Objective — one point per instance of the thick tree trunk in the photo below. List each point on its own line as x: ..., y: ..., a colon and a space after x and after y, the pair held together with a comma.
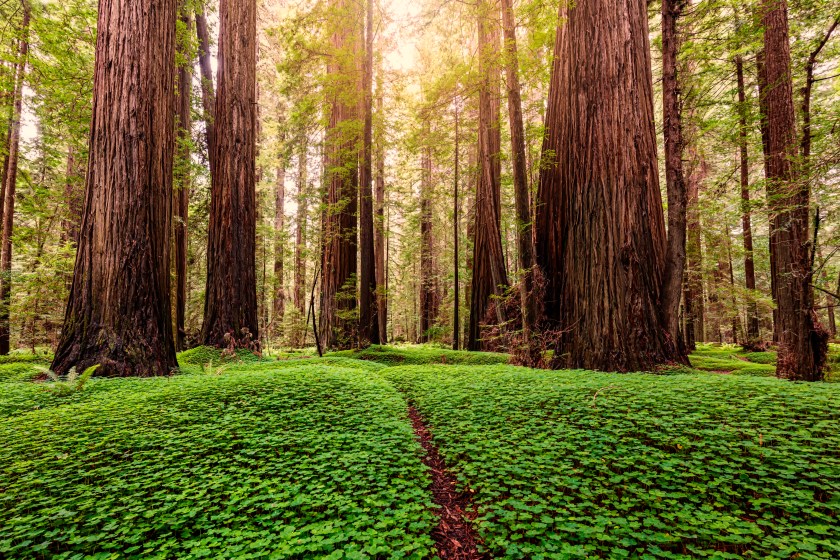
x: 802, y: 342
x: 489, y: 273
x: 182, y: 204
x: 208, y: 94
x: 379, y: 233
x: 675, y: 257
x: 428, y: 284
x: 368, y: 315
x: 753, y: 335
x: 300, y: 244
x: 119, y: 314
x: 600, y: 231
x: 279, y: 235
x: 524, y: 226
x: 339, y: 237
x: 7, y: 209
x: 230, y: 307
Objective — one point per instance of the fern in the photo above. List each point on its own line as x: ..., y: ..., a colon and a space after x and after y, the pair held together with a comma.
x: 73, y: 382
x: 210, y: 369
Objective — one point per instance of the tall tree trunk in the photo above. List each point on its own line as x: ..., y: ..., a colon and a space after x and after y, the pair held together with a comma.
x: 600, y: 231
x: 379, y: 232
x: 230, y: 307
x: 753, y: 333
x: 675, y: 257
x: 208, y: 95
x: 339, y: 237
x: 368, y: 315
x: 7, y: 209
x: 428, y: 287
x: 182, y: 205
x: 524, y: 227
x: 802, y: 342
x: 300, y: 243
x: 118, y: 314
x: 489, y: 273
x: 456, y: 310
x: 279, y: 234
x: 73, y: 199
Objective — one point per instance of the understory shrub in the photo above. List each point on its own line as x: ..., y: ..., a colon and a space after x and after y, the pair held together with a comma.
x: 421, y: 354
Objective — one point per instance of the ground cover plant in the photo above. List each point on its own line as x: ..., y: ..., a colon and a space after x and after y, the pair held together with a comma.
x: 421, y: 354
x: 309, y: 462
x: 576, y: 464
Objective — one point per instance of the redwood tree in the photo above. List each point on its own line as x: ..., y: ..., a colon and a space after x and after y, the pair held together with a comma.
x: 118, y: 314
x: 182, y: 202
x: 600, y: 229
x: 802, y: 341
x: 230, y: 306
x: 489, y: 274
x: 428, y: 283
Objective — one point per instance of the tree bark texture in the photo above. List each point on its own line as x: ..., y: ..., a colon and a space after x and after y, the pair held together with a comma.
x: 489, y: 275
x: 208, y: 94
x: 182, y: 198
x: 230, y: 307
x: 300, y: 243
x: 279, y: 303
x: 802, y: 341
x: 600, y: 230
x: 118, y: 314
x: 379, y: 232
x: 428, y: 283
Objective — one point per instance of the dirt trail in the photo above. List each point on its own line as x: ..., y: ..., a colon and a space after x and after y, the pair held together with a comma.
x: 455, y: 538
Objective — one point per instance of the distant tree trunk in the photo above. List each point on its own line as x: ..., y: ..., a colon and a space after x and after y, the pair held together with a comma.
x: 428, y: 287
x: 379, y: 233
x: 7, y: 208
x: 807, y: 135
x: 489, y: 273
x: 524, y: 226
x: 339, y: 237
x: 182, y: 205
x: 279, y: 235
x: 73, y: 200
x: 118, y: 314
x: 368, y: 315
x: 802, y: 341
x: 208, y: 95
x: 753, y: 333
x: 300, y: 242
x: 230, y: 306
x: 600, y: 231
x: 765, y: 142
x: 695, y: 307
x: 456, y: 311
x: 675, y: 257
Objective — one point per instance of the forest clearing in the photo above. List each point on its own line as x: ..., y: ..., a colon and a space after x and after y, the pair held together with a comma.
x: 453, y: 279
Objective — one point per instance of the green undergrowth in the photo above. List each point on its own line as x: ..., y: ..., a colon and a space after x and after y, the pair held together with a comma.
x: 420, y: 355
x: 21, y: 366
x: 309, y: 462
x: 576, y: 464
x: 730, y: 359
x: 201, y: 355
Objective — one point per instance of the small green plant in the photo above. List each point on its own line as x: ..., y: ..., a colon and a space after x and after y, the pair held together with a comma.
x: 71, y: 383
x: 210, y: 369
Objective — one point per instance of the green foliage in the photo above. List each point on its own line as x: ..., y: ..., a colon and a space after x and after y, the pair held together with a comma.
x: 306, y: 462
x: 420, y: 355
x: 578, y: 464
x: 201, y: 355
x: 72, y: 383
x: 18, y: 366
x: 730, y: 359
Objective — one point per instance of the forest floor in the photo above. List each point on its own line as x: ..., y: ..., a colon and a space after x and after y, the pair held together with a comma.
x: 420, y: 452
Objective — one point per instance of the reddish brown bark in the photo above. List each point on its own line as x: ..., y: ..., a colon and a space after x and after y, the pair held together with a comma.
x: 379, y: 235
x: 802, y: 342
x: 279, y: 235
x: 119, y: 314
x: 428, y: 283
x: 753, y: 335
x: 339, y: 236
x: 7, y: 208
x: 208, y: 94
x: 600, y: 230
x: 524, y: 225
x: 675, y: 257
x: 456, y: 311
x: 300, y: 242
x: 489, y: 274
x: 230, y: 306
x: 368, y: 315
x: 182, y: 197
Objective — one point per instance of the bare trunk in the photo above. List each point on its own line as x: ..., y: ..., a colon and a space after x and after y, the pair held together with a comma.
x: 428, y: 287
x: 379, y: 233
x: 802, y: 341
x: 300, y: 242
x: 118, y: 314
x: 208, y: 95
x: 7, y: 209
x: 230, y: 307
x: 601, y: 238
x: 456, y: 311
x: 182, y: 205
x: 279, y: 235
x: 489, y: 274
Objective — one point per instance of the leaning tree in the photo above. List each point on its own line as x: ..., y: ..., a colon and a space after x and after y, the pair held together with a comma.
x: 118, y: 314
x: 600, y: 228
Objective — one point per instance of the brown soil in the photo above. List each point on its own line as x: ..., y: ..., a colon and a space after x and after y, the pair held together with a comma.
x: 455, y: 538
